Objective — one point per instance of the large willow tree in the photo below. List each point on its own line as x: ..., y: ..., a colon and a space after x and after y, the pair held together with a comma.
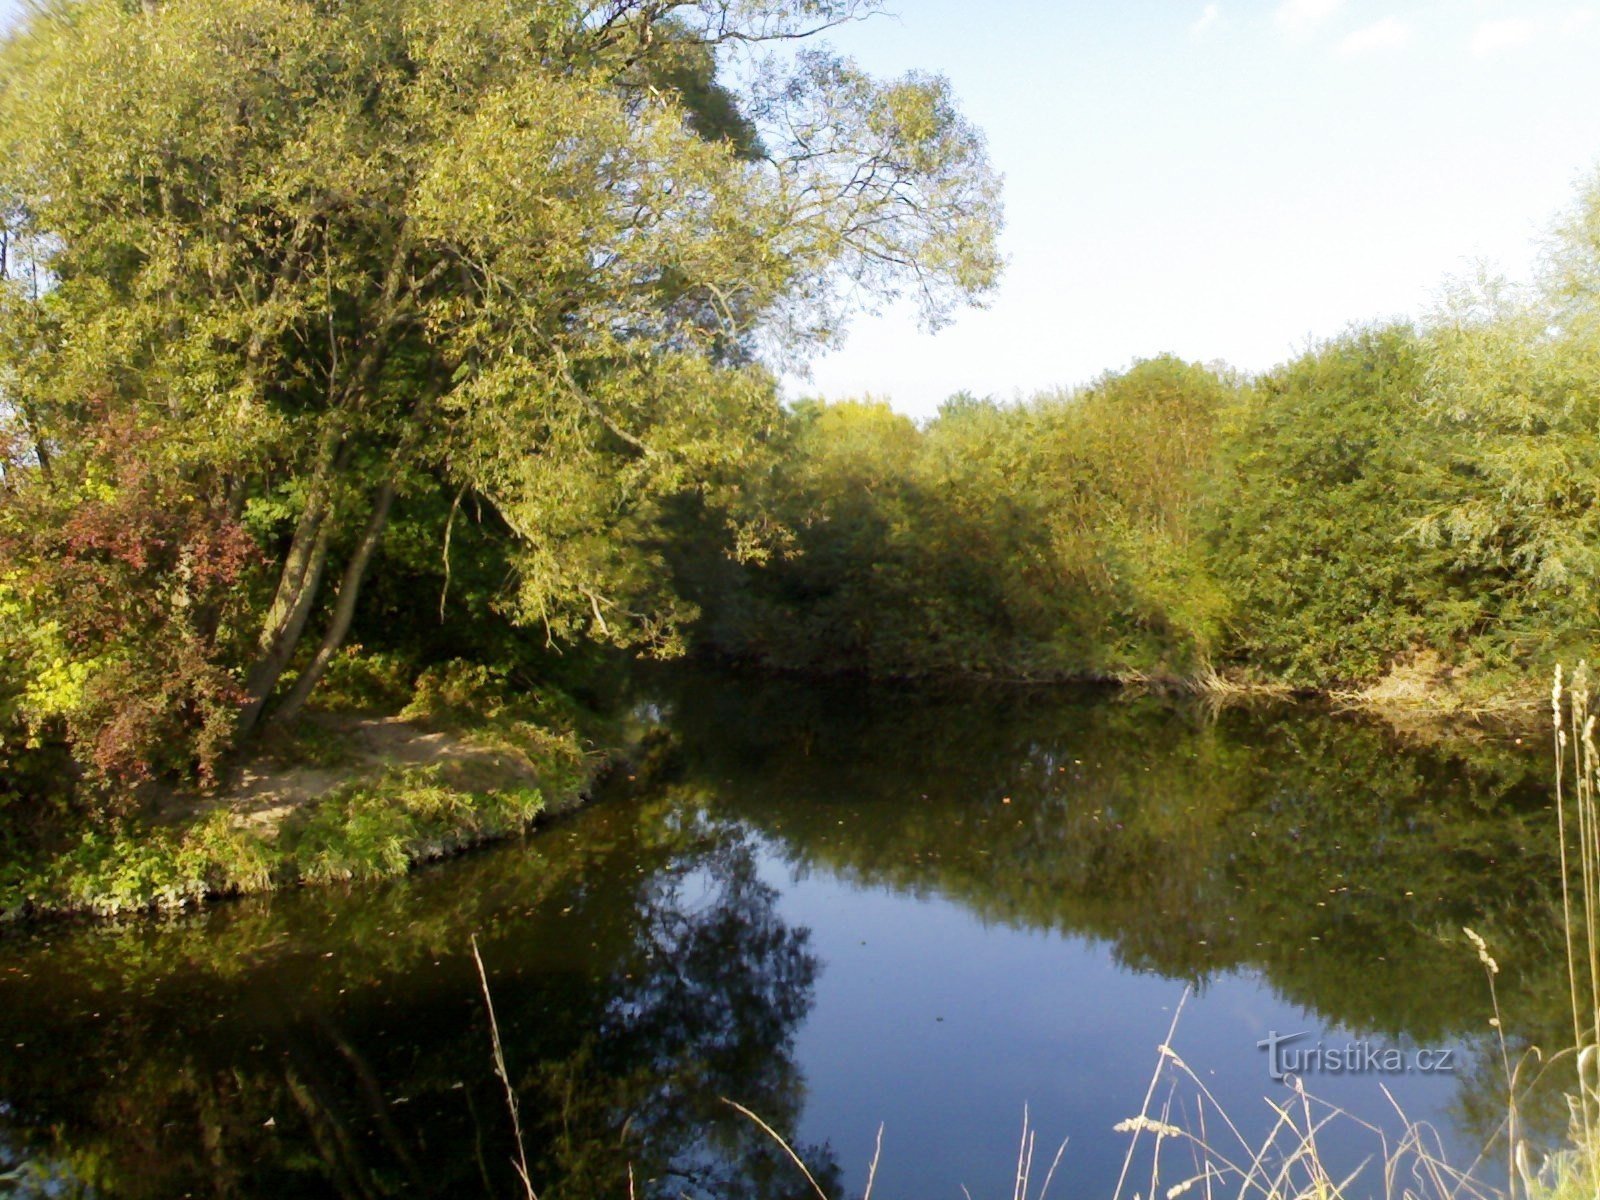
x: 276, y: 265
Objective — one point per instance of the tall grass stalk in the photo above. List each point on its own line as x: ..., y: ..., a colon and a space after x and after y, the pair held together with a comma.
x: 1287, y: 1162
x: 790, y: 1150
x: 1578, y: 819
x: 1022, y: 1183
x: 521, y: 1162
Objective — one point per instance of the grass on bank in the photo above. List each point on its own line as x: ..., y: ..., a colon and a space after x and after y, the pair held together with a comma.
x: 523, y: 755
x: 364, y: 832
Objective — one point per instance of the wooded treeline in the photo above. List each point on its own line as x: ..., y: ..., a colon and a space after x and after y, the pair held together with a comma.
x: 1401, y: 502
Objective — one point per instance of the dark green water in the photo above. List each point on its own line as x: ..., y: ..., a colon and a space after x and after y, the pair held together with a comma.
x: 840, y: 907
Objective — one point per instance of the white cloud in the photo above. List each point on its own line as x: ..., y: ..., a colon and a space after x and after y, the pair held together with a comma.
x: 1208, y: 18
x: 1298, y: 18
x: 1491, y: 37
x: 1391, y: 33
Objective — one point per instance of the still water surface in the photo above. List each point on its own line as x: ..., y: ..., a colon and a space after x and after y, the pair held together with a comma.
x: 842, y: 907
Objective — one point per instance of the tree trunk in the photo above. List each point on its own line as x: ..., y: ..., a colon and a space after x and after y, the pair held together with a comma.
x: 330, y: 456
x: 298, y: 581
x: 30, y: 423
x: 355, y: 570
x: 285, y: 636
x: 344, y: 607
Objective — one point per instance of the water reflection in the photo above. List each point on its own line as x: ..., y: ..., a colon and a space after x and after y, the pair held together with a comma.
x: 640, y: 971
x: 1317, y: 854
x: 1314, y: 849
x: 667, y: 948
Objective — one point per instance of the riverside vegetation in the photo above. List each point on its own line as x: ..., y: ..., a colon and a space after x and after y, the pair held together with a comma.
x: 385, y: 323
x: 1399, y: 505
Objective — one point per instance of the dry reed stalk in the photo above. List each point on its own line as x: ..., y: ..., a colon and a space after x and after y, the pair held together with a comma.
x: 521, y: 1162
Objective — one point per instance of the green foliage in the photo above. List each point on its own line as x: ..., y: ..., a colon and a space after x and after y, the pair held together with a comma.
x: 458, y: 691
x: 132, y: 869
x: 287, y: 275
x: 1515, y: 378
x: 1329, y: 468
x: 486, y: 701
x: 1044, y: 540
x: 1123, y: 463
x: 361, y: 680
x: 377, y: 830
x: 1392, y: 505
x: 1572, y: 1174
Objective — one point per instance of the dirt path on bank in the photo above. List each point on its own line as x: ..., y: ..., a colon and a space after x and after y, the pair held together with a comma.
x: 263, y: 791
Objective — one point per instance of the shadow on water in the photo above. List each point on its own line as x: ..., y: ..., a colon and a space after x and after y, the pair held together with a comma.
x: 660, y: 950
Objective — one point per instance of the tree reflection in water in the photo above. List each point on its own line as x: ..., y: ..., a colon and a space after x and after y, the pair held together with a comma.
x: 705, y: 1008
x: 355, y: 1076
x: 334, y: 1043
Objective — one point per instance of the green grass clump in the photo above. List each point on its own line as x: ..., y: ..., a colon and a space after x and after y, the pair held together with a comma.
x: 121, y: 870
x: 466, y: 695
x: 377, y: 830
x: 362, y: 680
x: 1569, y: 1175
x: 366, y: 831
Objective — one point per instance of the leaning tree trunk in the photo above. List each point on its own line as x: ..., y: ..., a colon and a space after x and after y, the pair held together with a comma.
x: 344, y: 607
x: 302, y: 572
x: 298, y: 581
x: 297, y: 594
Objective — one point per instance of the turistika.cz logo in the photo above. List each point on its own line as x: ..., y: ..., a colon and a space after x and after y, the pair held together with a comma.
x: 1285, y: 1058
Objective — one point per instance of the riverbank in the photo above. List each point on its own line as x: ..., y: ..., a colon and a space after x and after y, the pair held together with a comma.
x: 395, y: 772
x: 362, y: 792
x: 1416, y: 694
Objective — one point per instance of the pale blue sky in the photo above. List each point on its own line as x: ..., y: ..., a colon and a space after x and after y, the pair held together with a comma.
x: 1227, y: 180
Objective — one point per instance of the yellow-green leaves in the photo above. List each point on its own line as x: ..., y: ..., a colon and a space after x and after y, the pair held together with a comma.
x: 310, y: 267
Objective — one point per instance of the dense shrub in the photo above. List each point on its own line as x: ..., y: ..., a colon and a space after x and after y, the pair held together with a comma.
x: 1327, y: 470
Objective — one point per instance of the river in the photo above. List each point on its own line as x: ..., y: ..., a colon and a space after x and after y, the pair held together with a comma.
x: 843, y: 907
